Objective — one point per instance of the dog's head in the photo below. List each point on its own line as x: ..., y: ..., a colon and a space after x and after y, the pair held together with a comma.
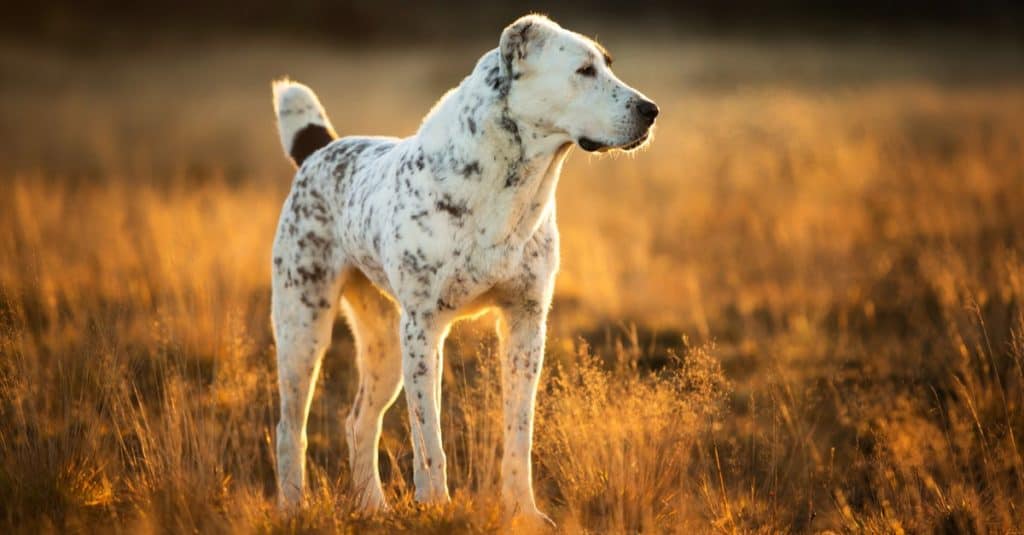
x: 562, y: 83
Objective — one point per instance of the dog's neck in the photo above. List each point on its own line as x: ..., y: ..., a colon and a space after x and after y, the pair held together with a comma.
x: 504, y: 169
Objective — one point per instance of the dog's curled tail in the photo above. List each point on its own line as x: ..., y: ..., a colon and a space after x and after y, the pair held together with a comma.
x: 301, y: 121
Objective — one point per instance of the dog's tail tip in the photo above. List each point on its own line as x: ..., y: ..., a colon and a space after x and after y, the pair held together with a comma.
x: 302, y: 122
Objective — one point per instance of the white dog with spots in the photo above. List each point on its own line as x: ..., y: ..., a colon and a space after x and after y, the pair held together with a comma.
x: 407, y: 235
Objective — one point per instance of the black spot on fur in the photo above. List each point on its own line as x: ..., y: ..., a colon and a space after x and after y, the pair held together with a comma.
x: 497, y: 81
x: 470, y: 169
x: 513, y: 178
x: 456, y: 210
x: 510, y: 126
x: 315, y: 273
x: 310, y: 139
x: 494, y: 78
x: 421, y: 370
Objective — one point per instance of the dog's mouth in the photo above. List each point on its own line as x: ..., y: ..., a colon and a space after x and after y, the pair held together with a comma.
x: 639, y: 141
x: 590, y: 145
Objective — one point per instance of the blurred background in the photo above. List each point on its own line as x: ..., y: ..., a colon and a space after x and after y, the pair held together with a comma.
x: 459, y: 21
x: 798, y: 310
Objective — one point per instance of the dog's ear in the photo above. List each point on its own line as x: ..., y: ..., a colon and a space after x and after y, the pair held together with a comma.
x: 522, y: 38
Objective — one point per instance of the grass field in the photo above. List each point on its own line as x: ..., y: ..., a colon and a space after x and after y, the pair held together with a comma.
x: 800, y: 310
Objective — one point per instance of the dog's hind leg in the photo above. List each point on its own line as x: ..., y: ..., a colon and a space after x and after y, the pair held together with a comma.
x: 373, y: 319
x: 304, y: 303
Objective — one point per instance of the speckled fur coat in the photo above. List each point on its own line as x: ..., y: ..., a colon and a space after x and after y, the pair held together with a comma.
x: 407, y: 235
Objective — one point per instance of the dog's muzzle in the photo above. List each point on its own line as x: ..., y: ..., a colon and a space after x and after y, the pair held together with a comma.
x: 646, y: 112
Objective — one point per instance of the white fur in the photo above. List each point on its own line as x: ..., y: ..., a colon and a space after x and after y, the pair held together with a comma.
x: 410, y: 234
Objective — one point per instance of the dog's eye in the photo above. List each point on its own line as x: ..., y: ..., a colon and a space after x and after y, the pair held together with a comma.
x: 587, y: 70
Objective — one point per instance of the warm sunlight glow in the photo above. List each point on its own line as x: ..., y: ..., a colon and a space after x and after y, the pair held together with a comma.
x: 798, y: 309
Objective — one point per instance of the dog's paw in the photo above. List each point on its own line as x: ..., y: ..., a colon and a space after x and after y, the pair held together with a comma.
x: 531, y: 520
x: 433, y: 496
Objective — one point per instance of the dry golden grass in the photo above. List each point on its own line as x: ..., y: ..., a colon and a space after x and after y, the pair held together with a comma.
x: 799, y: 310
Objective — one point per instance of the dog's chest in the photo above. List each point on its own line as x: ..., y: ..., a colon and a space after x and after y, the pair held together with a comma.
x: 461, y: 263
x: 428, y: 250
x: 485, y: 265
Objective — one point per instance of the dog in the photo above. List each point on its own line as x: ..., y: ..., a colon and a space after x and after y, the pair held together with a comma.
x: 405, y: 236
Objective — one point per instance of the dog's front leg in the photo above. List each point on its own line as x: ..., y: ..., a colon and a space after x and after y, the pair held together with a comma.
x: 522, y: 332
x: 422, y: 333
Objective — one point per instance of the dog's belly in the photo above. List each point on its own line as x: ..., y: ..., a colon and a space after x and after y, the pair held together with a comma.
x: 463, y: 287
x: 470, y: 306
x: 477, y: 307
x: 371, y: 268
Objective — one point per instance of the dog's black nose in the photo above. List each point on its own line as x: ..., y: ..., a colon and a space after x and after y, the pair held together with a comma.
x: 647, y: 109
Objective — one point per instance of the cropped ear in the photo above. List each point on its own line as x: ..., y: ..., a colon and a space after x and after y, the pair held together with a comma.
x: 522, y: 38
